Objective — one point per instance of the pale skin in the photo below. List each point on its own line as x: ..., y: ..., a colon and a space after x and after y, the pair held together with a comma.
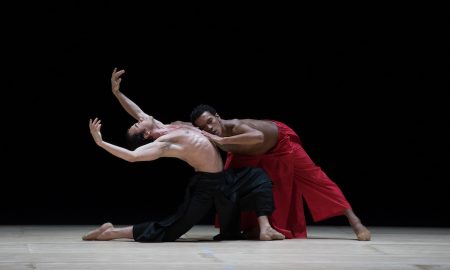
x: 171, y: 140
x: 255, y: 137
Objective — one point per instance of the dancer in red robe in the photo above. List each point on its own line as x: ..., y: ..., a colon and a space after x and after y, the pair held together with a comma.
x: 277, y: 149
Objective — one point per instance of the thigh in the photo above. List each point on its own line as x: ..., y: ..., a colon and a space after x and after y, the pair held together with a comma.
x: 197, y: 207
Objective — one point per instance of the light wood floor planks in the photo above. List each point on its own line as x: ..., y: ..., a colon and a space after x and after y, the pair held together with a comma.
x: 61, y: 247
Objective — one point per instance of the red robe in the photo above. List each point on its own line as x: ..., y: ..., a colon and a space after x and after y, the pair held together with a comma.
x: 294, y: 176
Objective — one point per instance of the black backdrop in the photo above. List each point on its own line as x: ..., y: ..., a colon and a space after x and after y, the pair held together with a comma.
x: 365, y: 91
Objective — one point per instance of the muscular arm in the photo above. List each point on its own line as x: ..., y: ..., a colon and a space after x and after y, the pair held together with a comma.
x: 129, y: 106
x: 242, y: 134
x: 146, y: 152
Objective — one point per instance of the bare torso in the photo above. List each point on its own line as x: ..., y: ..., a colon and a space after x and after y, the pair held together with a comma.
x: 188, y: 144
x: 268, y: 128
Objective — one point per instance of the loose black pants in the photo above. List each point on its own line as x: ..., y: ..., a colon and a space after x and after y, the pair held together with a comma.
x: 230, y: 191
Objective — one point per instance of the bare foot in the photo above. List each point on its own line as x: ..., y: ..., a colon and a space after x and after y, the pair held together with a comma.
x: 269, y: 234
x: 92, y: 235
x: 108, y: 234
x: 362, y: 233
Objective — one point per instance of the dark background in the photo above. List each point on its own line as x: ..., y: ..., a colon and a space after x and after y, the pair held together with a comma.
x: 365, y: 90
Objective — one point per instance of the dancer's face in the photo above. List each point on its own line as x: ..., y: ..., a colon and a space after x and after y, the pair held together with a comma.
x: 143, y: 126
x: 209, y: 123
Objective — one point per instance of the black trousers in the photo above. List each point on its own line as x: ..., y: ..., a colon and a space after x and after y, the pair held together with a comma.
x: 230, y: 191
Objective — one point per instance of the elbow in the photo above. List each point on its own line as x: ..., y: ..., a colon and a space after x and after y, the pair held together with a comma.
x: 259, y: 137
x: 132, y: 158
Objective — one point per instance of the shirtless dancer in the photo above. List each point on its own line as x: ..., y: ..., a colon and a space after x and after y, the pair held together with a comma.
x: 277, y: 149
x: 230, y: 191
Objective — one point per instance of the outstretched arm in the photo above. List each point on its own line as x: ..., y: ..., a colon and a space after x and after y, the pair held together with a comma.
x: 244, y: 134
x: 126, y: 103
x: 129, y: 106
x: 146, y: 152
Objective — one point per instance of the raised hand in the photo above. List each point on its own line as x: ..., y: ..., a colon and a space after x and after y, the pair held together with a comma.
x: 95, y: 126
x: 115, y: 80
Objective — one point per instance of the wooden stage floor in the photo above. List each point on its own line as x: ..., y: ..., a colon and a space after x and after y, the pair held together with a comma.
x: 327, y: 247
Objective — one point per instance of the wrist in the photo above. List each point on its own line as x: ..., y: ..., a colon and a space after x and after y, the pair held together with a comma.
x: 220, y: 140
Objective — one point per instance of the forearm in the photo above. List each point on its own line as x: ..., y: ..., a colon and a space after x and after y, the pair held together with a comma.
x: 147, y: 152
x: 118, y: 151
x: 129, y: 106
x: 245, y: 138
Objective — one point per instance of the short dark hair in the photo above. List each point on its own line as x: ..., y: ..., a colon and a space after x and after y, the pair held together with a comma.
x: 137, y: 139
x: 199, y: 110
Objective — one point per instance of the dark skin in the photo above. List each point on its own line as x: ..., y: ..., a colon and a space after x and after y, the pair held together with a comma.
x: 255, y: 137
x: 240, y: 136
